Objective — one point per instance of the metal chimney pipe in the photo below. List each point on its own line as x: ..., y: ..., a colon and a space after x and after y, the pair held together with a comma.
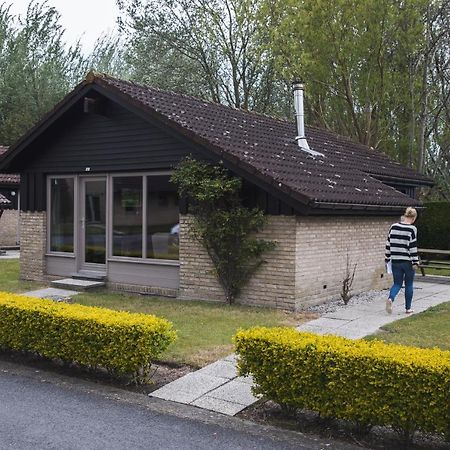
x: 297, y: 88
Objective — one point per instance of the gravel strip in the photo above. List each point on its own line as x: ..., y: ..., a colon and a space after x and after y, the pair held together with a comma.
x: 337, y: 303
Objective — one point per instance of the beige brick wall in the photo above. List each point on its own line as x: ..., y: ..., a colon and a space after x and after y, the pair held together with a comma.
x: 310, y: 254
x: 33, y: 226
x: 9, y: 226
x: 322, y: 245
x: 273, y: 285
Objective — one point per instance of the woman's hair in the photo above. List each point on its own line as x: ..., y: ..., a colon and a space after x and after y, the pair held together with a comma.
x: 410, y: 213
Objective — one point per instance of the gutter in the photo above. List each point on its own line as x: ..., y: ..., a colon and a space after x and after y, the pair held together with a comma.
x: 360, y: 206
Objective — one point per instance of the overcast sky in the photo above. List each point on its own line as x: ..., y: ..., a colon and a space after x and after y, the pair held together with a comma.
x: 82, y: 19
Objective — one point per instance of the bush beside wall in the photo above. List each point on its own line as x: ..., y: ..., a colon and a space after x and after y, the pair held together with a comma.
x: 370, y: 383
x: 433, y: 226
x: 121, y: 342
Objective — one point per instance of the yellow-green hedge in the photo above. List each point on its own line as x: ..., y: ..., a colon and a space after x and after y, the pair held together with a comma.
x: 122, y: 342
x: 367, y: 382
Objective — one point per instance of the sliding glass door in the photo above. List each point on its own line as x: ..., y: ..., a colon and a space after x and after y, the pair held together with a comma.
x: 93, y: 222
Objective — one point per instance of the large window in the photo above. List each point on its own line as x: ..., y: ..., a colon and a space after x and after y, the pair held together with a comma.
x: 61, y: 216
x: 162, y: 218
x: 127, y: 216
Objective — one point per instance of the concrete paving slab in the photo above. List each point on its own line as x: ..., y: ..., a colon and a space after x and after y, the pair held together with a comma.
x: 236, y: 392
x: 51, y: 293
x: 221, y: 369
x: 310, y: 328
x: 232, y: 358
x: 348, y: 314
x: 218, y: 405
x: 188, y: 388
x: 78, y: 285
x: 10, y: 254
x: 247, y: 380
x: 174, y: 396
x: 330, y: 322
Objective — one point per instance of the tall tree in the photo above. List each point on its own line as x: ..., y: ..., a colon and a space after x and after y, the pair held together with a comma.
x: 210, y: 48
x: 36, y: 69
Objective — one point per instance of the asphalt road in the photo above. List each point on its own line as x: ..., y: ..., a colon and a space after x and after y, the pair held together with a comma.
x: 41, y: 410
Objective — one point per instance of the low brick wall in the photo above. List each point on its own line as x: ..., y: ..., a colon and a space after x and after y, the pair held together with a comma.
x: 9, y: 228
x: 322, y: 245
x: 273, y: 285
x: 33, y: 227
x: 307, y: 267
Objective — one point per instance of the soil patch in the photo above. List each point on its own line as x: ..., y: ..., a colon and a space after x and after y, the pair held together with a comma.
x: 308, y: 422
x: 162, y: 373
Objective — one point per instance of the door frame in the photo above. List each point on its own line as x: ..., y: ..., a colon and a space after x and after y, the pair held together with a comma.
x: 81, y: 220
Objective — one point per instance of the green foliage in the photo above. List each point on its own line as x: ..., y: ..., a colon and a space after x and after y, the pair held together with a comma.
x: 221, y: 223
x: 374, y: 70
x: 36, y: 69
x: 213, y: 49
x: 370, y: 383
x: 121, y: 342
x: 433, y: 226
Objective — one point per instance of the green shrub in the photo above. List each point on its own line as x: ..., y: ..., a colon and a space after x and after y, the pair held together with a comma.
x: 121, y: 342
x: 370, y: 383
x: 433, y: 226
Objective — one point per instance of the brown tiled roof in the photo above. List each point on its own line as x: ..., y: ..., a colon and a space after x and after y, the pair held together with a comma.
x: 345, y: 175
x: 6, y: 177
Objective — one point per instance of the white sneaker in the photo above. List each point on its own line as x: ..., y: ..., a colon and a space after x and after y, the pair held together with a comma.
x: 389, y: 306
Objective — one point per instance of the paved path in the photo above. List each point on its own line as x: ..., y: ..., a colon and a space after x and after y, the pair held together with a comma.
x: 11, y: 254
x: 218, y: 388
x: 52, y: 294
x: 361, y: 320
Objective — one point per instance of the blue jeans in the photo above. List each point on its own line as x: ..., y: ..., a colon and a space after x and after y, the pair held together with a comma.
x: 402, y: 271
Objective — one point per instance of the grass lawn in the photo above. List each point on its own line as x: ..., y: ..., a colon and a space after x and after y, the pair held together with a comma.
x: 442, y: 272
x: 428, y: 329
x: 204, y: 329
x: 9, y: 278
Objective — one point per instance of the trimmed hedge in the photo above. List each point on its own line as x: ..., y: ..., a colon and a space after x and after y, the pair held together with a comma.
x: 433, y: 226
x: 368, y: 382
x: 122, y: 342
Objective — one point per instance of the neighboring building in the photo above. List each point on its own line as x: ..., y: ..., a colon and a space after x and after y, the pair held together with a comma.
x: 9, y: 203
x: 96, y: 196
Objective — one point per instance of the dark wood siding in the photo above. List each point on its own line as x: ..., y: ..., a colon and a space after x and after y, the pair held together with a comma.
x: 32, y: 192
x: 116, y: 141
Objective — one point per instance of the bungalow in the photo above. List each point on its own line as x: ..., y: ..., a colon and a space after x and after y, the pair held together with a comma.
x: 96, y: 196
x: 9, y: 203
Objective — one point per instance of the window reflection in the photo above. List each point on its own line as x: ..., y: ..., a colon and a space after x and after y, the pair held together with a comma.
x: 162, y: 218
x: 127, y: 216
x: 61, y: 215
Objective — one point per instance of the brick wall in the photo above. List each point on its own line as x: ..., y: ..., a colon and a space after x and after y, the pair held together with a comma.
x: 33, y: 227
x: 273, y: 285
x: 9, y: 226
x: 322, y: 245
x: 307, y: 267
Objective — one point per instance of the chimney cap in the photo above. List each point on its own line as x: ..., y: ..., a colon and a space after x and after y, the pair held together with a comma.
x: 298, y: 85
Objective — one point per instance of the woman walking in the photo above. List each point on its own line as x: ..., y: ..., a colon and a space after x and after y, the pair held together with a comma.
x: 401, y: 251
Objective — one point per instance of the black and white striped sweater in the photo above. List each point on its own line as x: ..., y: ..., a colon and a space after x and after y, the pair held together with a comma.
x: 401, y: 243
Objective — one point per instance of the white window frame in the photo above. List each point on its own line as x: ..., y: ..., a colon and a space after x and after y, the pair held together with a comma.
x: 75, y: 216
x: 143, y: 259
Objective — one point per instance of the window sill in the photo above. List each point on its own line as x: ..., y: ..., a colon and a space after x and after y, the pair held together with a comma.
x: 61, y: 254
x: 157, y: 262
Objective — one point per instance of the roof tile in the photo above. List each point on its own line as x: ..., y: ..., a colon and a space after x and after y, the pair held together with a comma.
x: 347, y: 174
